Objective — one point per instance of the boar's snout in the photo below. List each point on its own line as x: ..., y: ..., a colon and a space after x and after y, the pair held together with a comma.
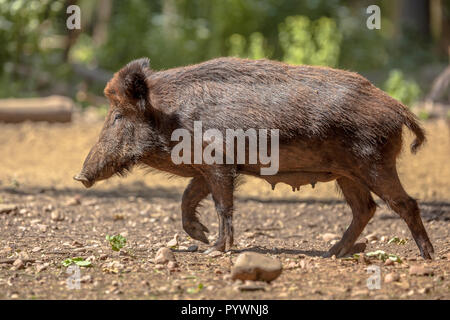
x: 82, y: 178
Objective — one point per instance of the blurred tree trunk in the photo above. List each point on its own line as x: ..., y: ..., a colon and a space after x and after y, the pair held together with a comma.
x: 100, y: 33
x: 414, y: 15
x: 72, y: 35
x: 169, y: 11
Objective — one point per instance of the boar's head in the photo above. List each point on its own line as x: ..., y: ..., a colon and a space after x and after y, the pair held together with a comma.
x: 128, y: 133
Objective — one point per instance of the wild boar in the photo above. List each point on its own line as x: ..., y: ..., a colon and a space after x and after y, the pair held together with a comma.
x: 332, y: 125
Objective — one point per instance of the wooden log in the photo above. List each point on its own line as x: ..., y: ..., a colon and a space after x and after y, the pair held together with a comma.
x: 51, y: 109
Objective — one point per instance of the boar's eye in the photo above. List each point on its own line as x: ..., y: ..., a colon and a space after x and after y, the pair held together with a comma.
x: 117, y: 117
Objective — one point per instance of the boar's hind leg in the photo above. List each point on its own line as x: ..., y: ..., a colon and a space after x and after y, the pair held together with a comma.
x: 363, y: 208
x: 221, y: 184
x: 389, y: 188
x: 195, y: 192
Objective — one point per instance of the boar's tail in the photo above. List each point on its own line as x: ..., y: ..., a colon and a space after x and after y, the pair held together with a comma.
x: 412, y: 122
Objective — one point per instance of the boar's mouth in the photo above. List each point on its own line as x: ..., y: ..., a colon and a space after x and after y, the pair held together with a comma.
x: 120, y: 169
x: 83, y: 179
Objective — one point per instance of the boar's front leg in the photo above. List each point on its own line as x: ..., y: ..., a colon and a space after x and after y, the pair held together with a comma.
x: 195, y: 192
x: 363, y: 208
x: 221, y: 184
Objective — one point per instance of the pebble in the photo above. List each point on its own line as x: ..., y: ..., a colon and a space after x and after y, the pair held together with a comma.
x: 41, y: 267
x: 425, y: 290
x: 327, y: 237
x: 371, y: 237
x: 363, y: 259
x: 256, y: 267
x: 8, y: 208
x: 18, y: 264
x: 389, y: 262
x: 252, y: 286
x: 391, y: 277
x: 420, y: 270
x: 36, y: 249
x: 74, y: 201
x: 86, y: 279
x: 42, y: 228
x: 172, y: 265
x: 57, y: 215
x: 174, y: 241
x: 164, y: 255
x: 215, y: 254
x: 192, y: 248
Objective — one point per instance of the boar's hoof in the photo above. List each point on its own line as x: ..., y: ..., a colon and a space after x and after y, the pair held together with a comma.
x: 86, y: 182
x: 339, y: 250
x: 196, y: 231
x: 216, y: 247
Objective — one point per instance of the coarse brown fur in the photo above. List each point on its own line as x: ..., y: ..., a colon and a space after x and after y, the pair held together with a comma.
x: 333, y: 125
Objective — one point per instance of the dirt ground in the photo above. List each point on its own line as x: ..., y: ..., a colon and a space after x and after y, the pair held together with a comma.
x: 57, y: 219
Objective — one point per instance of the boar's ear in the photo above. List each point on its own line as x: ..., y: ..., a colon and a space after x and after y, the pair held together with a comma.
x: 133, y: 81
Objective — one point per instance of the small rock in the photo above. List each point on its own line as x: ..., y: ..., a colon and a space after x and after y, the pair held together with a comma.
x: 192, y: 248
x: 172, y: 265
x: 254, y: 266
x: 327, y: 237
x: 304, y: 264
x: 420, y: 270
x: 74, y: 201
x: 76, y: 244
x: 8, y: 208
x: 361, y: 292
x: 57, y: 215
x: 86, y: 279
x: 36, y: 249
x: 42, y: 228
x: 391, y: 277
x: 18, y: 264
x: 164, y: 255
x: 252, y: 286
x: 389, y: 262
x: 425, y: 290
x: 404, y: 285
x: 215, y: 254
x: 371, y: 237
x: 48, y: 208
x: 41, y: 267
x: 363, y: 259
x: 174, y: 241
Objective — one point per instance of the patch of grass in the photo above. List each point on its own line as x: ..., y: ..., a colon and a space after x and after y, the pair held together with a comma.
x: 117, y: 242
x: 397, y: 240
x: 78, y: 261
x: 381, y: 255
x: 15, y: 183
x: 423, y: 115
x: 378, y: 254
x: 195, y: 289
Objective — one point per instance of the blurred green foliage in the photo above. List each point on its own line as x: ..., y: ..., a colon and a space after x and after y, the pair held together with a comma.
x: 310, y: 42
x: 398, y: 87
x: 36, y: 57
